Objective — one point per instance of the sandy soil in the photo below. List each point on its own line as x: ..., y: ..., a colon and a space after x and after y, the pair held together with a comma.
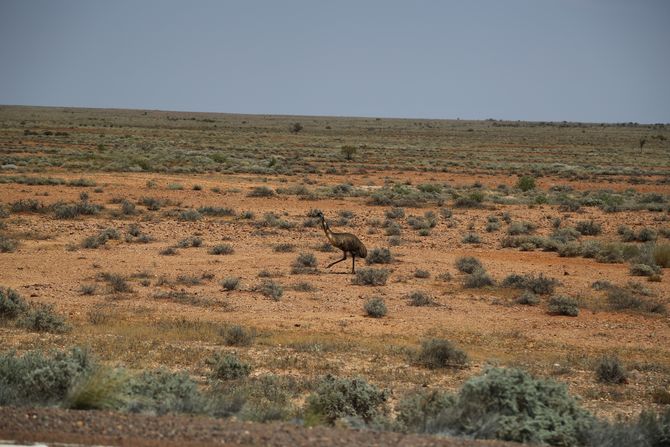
x: 484, y: 322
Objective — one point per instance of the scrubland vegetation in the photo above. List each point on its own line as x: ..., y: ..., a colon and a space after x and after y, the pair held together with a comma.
x: 515, y: 285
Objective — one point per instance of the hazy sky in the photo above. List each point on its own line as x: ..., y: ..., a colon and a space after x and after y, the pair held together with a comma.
x: 575, y: 60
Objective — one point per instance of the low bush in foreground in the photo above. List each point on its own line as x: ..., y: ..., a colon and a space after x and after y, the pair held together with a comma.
x: 610, y: 370
x: 227, y: 367
x: 478, y: 278
x: 370, y: 277
x: 11, y: 304
x: 221, y: 249
x: 468, y: 264
x: 563, y: 305
x: 161, y: 391
x: 304, y: 263
x: 511, y: 405
x: 419, y: 298
x: 379, y: 256
x: 38, y: 378
x: 375, y: 307
x: 336, y: 398
x: 438, y: 353
x: 42, y: 318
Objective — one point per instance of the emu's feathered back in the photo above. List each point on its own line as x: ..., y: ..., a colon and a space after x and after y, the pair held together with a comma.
x: 346, y: 242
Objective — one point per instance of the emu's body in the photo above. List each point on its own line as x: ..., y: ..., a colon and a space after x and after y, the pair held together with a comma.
x: 346, y: 242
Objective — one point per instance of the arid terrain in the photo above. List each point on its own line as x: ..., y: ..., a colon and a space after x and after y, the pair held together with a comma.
x: 213, y: 226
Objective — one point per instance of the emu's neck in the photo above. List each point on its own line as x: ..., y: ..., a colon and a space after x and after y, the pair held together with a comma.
x: 326, y: 229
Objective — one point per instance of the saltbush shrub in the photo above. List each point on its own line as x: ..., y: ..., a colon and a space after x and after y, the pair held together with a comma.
x: 541, y: 284
x: 38, y: 378
x: 370, y: 277
x: 271, y: 289
x: 11, y: 304
x: 338, y: 398
x: 438, y: 353
x: 418, y: 411
x: 563, y: 305
x: 227, y: 367
x: 468, y: 264
x: 305, y: 263
x: 375, y: 307
x: 588, y: 227
x: 42, y: 318
x: 221, y: 249
x: 237, y: 335
x: 379, y: 256
x: 161, y: 391
x: 510, y: 405
x: 230, y: 283
x: 478, y: 278
x: 610, y: 370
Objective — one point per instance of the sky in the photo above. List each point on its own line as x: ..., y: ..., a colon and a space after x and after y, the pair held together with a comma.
x: 537, y: 60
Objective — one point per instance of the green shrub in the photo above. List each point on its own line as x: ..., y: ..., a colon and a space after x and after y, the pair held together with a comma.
x: 99, y: 389
x: 417, y: 411
x: 439, y: 353
x: 11, y: 304
x: 395, y: 213
x: 525, y: 183
x: 541, y: 284
x: 370, y: 277
x: 88, y: 289
x: 230, y: 283
x: 650, y: 429
x: 336, y: 398
x: 510, y: 405
x: 237, y: 335
x: 305, y: 263
x: 42, y: 318
x: 468, y: 264
x: 662, y: 255
x: 588, y: 227
x: 221, y: 249
x: 423, y: 274
x: 610, y: 254
x: 261, y: 191
x: 101, y: 238
x: 271, y: 289
x: 191, y: 241
x: 227, y: 367
x: 117, y: 283
x: 28, y: 206
x: 190, y: 215
x: 419, y: 298
x: 610, y: 370
x: 643, y: 270
x: 478, y: 278
x: 216, y: 211
x: 379, y: 256
x: 70, y: 211
x: 375, y: 307
x: 151, y: 203
x: 161, y: 391
x: 284, y: 248
x: 563, y: 305
x: 528, y: 298
x: 39, y: 379
x: 7, y: 245
x: 392, y: 228
x: 521, y: 227
x: 471, y: 238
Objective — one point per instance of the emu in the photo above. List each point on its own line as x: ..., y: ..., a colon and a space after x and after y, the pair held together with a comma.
x: 346, y: 242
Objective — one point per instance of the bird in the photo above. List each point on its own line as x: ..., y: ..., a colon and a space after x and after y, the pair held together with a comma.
x: 346, y: 242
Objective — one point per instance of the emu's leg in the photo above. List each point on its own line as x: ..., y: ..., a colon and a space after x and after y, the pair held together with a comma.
x: 353, y: 264
x: 339, y: 260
